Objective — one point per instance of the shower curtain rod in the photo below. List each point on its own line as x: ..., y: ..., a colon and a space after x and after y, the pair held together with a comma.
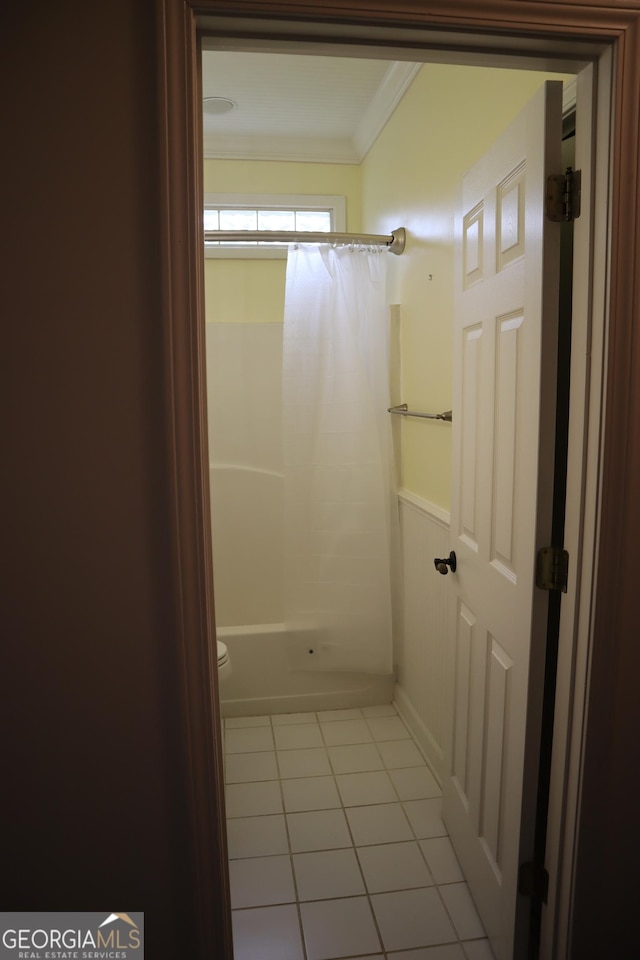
x: 395, y: 242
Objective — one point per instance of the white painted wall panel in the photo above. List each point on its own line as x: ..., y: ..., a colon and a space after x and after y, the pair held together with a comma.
x: 424, y: 680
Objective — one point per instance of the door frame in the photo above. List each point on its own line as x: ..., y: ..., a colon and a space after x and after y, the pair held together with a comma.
x: 479, y: 32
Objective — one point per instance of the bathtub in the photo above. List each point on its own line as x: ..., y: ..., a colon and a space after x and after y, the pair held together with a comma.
x: 262, y: 680
x: 271, y: 668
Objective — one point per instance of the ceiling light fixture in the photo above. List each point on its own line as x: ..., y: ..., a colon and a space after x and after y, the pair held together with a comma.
x: 217, y: 106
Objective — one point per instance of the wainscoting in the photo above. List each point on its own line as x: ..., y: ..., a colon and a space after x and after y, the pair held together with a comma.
x: 423, y: 692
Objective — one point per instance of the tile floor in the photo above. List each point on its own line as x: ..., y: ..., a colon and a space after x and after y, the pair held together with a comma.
x: 336, y: 844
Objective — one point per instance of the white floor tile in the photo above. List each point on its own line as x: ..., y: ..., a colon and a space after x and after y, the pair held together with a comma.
x: 281, y: 719
x: 253, y: 799
x: 247, y: 767
x: 256, y: 837
x: 383, y: 823
x: 355, y: 759
x: 393, y: 866
x: 384, y: 710
x: 297, y: 736
x: 261, y: 881
x: 400, y: 753
x: 340, y: 732
x: 388, y: 728
x: 312, y: 762
x: 338, y: 928
x: 358, y: 789
x: 425, y: 817
x: 452, y: 951
x: 233, y: 723
x: 415, y: 783
x: 248, y: 740
x: 320, y: 830
x: 327, y: 874
x: 412, y: 918
x: 270, y: 933
x: 442, y: 860
x: 310, y: 793
x: 462, y: 910
x: 337, y: 775
x: 478, y: 950
x: 352, y: 714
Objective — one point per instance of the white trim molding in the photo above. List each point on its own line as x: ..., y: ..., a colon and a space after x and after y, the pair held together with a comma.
x: 386, y: 99
x: 432, y: 510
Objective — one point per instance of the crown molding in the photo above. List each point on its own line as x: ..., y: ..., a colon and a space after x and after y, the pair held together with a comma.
x: 320, y: 149
x: 297, y: 149
x: 386, y: 99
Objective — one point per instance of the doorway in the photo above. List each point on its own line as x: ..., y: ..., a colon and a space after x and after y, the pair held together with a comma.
x: 573, y: 55
x: 429, y: 498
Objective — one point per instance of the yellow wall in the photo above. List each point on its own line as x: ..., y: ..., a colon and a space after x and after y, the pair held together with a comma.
x: 252, y: 291
x: 446, y: 120
x: 244, y: 291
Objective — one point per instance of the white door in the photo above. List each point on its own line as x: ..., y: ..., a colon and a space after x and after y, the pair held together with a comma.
x: 503, y: 446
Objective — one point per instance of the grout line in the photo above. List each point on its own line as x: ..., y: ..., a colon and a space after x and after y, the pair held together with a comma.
x: 344, y: 808
x: 290, y: 852
x: 362, y: 876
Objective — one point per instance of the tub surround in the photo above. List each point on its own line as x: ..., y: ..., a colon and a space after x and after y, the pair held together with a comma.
x: 263, y: 682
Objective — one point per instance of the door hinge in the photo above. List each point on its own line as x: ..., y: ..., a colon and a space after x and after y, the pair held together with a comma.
x: 552, y: 569
x: 563, y: 195
x: 533, y: 881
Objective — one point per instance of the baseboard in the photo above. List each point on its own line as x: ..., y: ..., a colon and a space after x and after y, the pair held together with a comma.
x: 430, y: 749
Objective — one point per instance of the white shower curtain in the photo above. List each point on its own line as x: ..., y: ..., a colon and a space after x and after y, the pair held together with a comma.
x: 340, y: 509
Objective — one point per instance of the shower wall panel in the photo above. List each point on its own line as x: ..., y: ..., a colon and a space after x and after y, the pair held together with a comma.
x: 244, y: 394
x: 244, y: 405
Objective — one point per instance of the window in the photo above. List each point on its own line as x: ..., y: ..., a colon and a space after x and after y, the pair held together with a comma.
x: 273, y: 212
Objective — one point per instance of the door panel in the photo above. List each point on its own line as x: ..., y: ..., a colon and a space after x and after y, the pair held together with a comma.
x: 504, y: 399
x: 503, y: 517
x: 469, y: 452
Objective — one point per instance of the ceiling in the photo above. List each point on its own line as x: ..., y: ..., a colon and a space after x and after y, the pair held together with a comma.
x: 292, y: 107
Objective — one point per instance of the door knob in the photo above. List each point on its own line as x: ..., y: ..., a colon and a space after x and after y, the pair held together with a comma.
x: 442, y: 565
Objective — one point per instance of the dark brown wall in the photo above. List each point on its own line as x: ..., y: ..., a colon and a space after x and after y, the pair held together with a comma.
x: 93, y: 808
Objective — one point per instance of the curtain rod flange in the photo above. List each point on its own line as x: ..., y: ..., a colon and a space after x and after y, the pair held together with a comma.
x: 399, y: 241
